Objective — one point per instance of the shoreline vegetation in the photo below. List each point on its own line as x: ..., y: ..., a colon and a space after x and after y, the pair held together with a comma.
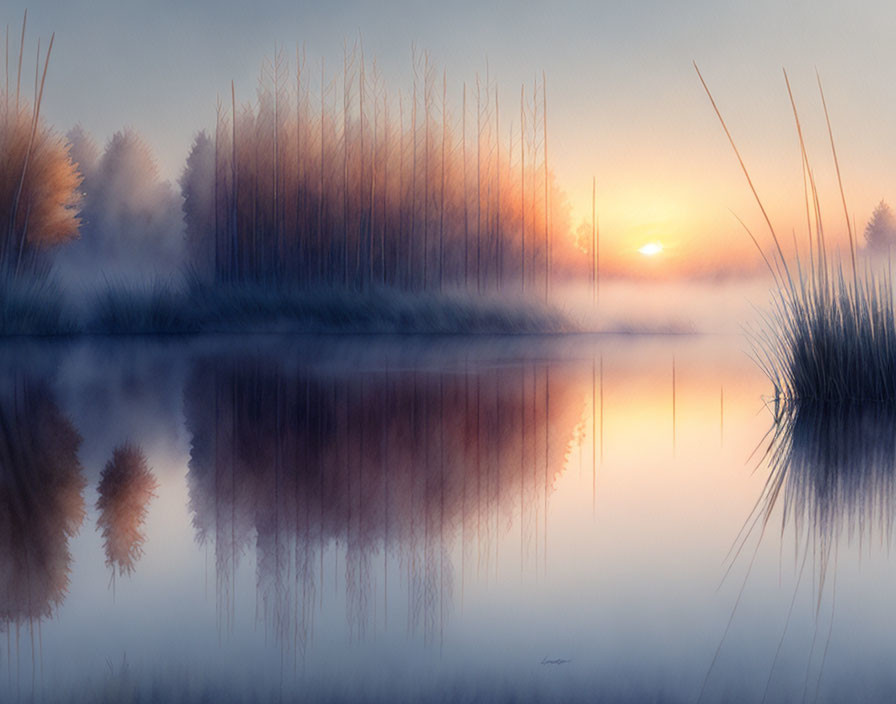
x: 201, y: 308
x: 39, y: 308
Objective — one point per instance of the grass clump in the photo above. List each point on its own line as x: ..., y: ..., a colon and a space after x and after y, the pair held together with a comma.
x: 834, y: 342
x: 832, y: 467
x: 127, y: 485
x: 831, y: 335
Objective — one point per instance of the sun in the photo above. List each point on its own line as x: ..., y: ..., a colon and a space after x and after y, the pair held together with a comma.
x: 651, y: 249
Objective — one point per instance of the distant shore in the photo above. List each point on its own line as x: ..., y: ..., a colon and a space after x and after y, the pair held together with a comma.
x: 43, y: 308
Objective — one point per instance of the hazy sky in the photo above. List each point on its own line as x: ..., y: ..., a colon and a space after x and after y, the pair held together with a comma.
x: 624, y: 100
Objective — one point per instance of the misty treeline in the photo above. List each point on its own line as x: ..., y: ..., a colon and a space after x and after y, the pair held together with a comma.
x: 358, y: 186
x: 131, y: 223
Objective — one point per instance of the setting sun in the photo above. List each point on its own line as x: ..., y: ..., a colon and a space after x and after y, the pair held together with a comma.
x: 651, y: 248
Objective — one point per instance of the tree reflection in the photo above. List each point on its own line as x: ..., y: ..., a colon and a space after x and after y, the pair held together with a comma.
x: 384, y: 463
x: 126, y: 487
x: 41, y: 503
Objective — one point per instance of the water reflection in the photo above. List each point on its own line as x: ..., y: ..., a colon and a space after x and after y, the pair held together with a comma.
x: 398, y: 464
x: 833, y: 469
x: 41, y: 503
x: 126, y: 487
x: 832, y: 480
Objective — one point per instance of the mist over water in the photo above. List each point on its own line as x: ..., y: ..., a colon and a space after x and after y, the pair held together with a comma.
x: 728, y: 306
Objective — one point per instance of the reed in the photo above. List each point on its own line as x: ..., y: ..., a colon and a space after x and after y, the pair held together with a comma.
x: 345, y: 196
x: 831, y: 334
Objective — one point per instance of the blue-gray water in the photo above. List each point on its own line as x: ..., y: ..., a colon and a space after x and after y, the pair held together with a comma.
x: 398, y: 518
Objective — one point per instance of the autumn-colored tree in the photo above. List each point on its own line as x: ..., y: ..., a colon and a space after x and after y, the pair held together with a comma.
x: 39, y: 193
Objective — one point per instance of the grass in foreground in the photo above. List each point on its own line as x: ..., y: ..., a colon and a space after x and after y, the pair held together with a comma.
x: 832, y: 334
x: 833, y: 340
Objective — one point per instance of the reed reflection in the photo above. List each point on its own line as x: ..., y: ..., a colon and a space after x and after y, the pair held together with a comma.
x: 126, y: 487
x: 833, y: 468
x: 383, y: 464
x: 41, y: 506
x: 832, y: 474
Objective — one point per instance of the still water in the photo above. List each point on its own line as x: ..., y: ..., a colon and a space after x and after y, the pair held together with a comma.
x: 607, y: 517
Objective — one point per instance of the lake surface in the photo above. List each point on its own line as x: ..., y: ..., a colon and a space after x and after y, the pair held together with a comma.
x: 402, y: 518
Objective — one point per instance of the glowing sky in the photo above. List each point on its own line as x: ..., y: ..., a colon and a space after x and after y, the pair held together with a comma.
x: 624, y: 101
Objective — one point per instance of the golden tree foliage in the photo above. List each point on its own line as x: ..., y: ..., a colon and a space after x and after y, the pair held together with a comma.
x: 38, y: 181
x: 38, y: 188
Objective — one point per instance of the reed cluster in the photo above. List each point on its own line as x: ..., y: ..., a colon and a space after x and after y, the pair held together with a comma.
x: 831, y: 333
x: 357, y: 187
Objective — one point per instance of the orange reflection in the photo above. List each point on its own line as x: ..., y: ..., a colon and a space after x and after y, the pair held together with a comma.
x: 126, y: 487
